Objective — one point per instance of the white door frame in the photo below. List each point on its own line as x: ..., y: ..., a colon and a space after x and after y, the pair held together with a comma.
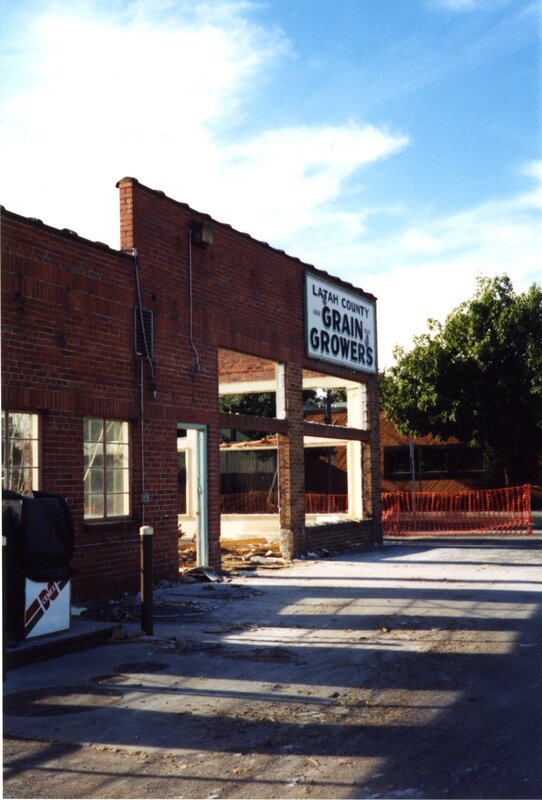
x: 200, y: 474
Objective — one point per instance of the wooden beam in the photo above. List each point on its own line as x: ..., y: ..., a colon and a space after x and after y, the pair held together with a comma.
x: 334, y: 432
x: 248, y: 422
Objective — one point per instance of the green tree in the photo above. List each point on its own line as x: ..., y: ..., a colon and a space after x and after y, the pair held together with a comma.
x: 260, y: 404
x: 478, y: 376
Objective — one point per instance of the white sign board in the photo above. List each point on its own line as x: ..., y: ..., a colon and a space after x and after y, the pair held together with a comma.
x: 47, y: 607
x: 340, y: 326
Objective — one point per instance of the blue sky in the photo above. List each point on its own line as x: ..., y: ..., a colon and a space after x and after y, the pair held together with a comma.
x: 394, y: 143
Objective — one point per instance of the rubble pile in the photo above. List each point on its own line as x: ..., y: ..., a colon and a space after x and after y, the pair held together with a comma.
x: 251, y: 554
x: 245, y: 554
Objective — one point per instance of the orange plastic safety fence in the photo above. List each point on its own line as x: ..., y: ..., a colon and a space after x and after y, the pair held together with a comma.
x: 488, y: 511
x: 326, y: 503
x: 256, y: 502
x: 250, y: 503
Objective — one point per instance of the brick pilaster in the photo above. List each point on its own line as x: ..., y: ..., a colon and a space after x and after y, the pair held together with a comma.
x: 292, y: 466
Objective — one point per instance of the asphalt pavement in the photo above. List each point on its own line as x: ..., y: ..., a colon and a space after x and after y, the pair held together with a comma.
x: 413, y: 671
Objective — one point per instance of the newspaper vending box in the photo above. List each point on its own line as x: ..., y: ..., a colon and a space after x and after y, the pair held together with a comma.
x: 39, y: 548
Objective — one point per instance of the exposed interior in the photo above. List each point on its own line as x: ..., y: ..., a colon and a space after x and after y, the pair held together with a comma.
x: 252, y: 414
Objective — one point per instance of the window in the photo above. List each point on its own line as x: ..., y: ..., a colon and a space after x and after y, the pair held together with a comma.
x: 107, y: 468
x: 20, y: 452
x: 436, y: 461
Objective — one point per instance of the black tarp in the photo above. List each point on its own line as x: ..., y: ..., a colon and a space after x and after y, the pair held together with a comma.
x: 13, y: 590
x: 49, y: 538
x: 39, y: 545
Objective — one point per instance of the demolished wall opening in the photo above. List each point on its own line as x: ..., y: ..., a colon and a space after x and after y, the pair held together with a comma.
x: 334, y: 412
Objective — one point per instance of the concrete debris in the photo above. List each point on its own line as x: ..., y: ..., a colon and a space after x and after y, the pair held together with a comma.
x: 266, y: 560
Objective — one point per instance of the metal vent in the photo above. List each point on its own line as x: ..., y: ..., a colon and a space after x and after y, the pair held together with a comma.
x: 145, y: 333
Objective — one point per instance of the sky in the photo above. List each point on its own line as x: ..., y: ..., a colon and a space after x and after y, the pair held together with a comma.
x: 393, y: 143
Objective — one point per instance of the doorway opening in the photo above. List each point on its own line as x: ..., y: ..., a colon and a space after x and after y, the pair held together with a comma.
x: 193, y: 524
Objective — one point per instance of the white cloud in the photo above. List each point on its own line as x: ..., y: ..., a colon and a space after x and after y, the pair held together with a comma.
x: 161, y: 91
x: 296, y: 172
x: 109, y: 95
x: 469, y: 5
x: 457, y: 5
x: 428, y: 270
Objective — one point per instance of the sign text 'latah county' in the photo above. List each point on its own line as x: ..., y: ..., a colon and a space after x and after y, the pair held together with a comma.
x: 340, y: 326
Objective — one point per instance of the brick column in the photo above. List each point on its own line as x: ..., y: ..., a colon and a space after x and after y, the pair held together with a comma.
x: 126, y: 199
x: 356, y: 399
x: 371, y: 463
x: 291, y: 464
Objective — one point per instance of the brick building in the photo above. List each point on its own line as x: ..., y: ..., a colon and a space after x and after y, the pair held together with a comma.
x: 113, y: 363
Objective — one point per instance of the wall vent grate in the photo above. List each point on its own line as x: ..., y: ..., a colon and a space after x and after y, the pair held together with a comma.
x: 147, y: 332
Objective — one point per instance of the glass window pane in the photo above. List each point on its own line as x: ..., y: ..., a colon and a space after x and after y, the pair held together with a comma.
x: 93, y: 429
x: 117, y: 505
x: 20, y: 426
x: 93, y: 455
x: 433, y: 459
x: 22, y: 453
x: 94, y: 505
x: 117, y: 431
x: 117, y: 480
x: 117, y: 455
x: 398, y: 460
x: 20, y: 480
x: 96, y: 480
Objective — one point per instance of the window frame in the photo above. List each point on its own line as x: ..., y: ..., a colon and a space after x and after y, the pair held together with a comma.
x: 7, y: 468
x: 104, y: 470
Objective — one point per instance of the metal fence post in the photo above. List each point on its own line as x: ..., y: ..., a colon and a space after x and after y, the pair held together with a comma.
x: 146, y: 534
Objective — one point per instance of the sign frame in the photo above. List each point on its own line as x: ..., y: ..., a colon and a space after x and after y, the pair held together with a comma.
x: 359, y: 353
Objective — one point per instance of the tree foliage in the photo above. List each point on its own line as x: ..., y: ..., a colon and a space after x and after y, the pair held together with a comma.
x: 478, y: 377
x: 258, y: 404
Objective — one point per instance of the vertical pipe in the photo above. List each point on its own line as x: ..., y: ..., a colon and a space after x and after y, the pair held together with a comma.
x: 142, y: 443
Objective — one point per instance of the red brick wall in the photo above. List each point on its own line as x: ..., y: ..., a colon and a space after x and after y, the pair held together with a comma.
x: 234, y: 366
x: 67, y: 335
x: 68, y: 352
x: 340, y: 535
